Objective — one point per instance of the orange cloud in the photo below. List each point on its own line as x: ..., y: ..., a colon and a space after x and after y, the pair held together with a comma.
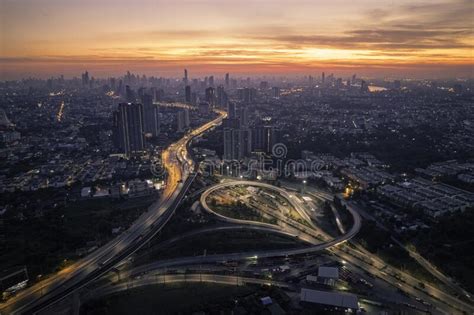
x: 280, y: 36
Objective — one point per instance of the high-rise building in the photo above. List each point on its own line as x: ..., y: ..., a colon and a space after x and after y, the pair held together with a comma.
x: 183, y: 121
x: 194, y: 98
x: 263, y: 138
x: 180, y: 121
x: 187, y: 121
x: 275, y: 92
x: 185, y: 79
x: 229, y: 146
x: 211, y: 80
x: 227, y: 80
x: 237, y: 143
x: 247, y: 95
x: 151, y: 116
x: 188, y: 94
x: 237, y: 135
x: 231, y: 113
x: 323, y: 78
x: 210, y: 96
x: 128, y: 128
x: 85, y: 79
x: 243, y: 117
x: 221, y: 96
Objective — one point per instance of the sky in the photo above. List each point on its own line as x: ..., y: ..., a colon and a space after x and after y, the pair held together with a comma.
x: 374, y: 38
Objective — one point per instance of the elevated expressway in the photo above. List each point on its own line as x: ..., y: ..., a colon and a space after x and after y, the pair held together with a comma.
x: 355, y: 254
x: 294, y: 228
x: 180, y: 169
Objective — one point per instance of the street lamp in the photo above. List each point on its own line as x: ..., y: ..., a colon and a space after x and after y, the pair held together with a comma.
x: 304, y: 186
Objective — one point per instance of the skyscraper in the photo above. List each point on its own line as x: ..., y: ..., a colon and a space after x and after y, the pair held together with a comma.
x: 210, y: 96
x: 237, y: 135
x: 187, y: 121
x: 276, y: 92
x: 231, y: 114
x: 151, y: 116
x: 188, y: 94
x: 243, y: 117
x: 247, y: 95
x: 185, y: 76
x: 221, y: 96
x: 129, y: 132
x: 227, y: 80
x: 182, y: 120
x: 263, y: 138
x: 85, y: 79
x: 237, y: 143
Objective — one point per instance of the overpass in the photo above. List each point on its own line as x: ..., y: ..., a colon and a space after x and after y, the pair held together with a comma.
x: 180, y: 176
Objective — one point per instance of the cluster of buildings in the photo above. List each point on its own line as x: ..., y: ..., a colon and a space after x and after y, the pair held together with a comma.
x: 240, y: 139
x: 132, y: 123
x: 127, y: 189
x: 368, y: 176
x: 434, y: 199
x: 449, y: 170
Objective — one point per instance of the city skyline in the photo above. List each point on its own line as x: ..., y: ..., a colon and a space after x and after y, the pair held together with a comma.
x: 374, y: 38
x: 236, y: 157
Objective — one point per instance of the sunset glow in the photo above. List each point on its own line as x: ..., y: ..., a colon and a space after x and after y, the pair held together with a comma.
x: 420, y: 38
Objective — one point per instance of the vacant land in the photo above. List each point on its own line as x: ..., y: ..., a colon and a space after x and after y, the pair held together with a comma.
x: 47, y: 243
x: 220, y: 242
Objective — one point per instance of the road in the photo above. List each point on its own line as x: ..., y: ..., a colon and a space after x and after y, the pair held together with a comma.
x: 292, y: 227
x: 358, y: 256
x: 176, y: 278
x: 445, y: 302
x: 180, y: 168
x: 420, y: 259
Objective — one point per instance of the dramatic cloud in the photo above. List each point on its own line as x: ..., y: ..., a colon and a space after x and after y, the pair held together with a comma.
x: 260, y: 36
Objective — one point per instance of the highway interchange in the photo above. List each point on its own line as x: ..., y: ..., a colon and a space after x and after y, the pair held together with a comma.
x: 181, y: 169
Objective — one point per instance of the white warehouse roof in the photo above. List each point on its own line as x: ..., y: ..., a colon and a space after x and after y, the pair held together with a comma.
x: 329, y: 298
